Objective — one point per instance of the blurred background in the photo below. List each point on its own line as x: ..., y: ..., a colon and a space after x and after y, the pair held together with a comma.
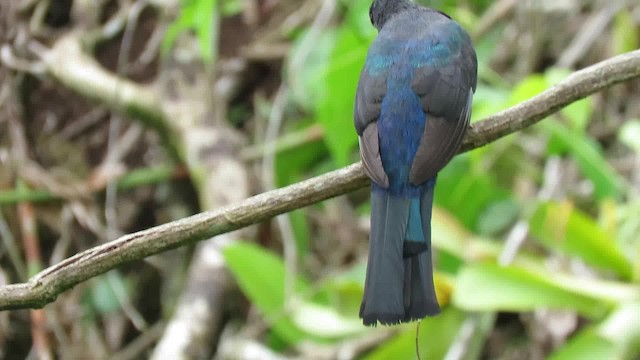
x: 118, y: 115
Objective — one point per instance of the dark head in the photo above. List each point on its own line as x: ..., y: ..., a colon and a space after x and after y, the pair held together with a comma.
x: 383, y: 10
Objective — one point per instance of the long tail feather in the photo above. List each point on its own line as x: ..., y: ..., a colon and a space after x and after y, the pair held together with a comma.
x: 383, y: 290
x: 419, y: 290
x: 399, y: 284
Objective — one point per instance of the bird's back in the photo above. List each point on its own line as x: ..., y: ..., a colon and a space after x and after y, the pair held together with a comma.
x: 408, y: 42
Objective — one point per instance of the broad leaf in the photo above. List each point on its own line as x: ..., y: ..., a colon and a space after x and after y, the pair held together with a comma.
x: 588, y: 155
x: 496, y: 288
x: 562, y: 227
x: 618, y: 337
x: 436, y: 335
x: 260, y: 275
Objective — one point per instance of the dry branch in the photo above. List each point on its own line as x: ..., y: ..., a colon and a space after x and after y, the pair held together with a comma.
x: 69, y: 64
x: 44, y: 287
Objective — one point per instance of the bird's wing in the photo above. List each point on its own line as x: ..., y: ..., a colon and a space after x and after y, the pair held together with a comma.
x: 371, y: 90
x: 445, y: 84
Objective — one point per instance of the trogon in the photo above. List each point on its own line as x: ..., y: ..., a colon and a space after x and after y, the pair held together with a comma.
x: 412, y: 108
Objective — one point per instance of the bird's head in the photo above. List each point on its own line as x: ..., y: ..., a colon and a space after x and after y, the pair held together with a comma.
x: 383, y: 10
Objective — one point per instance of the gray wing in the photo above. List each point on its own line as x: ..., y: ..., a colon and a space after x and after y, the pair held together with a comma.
x: 369, y: 94
x: 366, y: 111
x: 446, y: 93
x: 440, y: 142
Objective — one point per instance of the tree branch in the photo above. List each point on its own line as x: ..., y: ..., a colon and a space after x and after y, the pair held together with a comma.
x: 576, y: 86
x: 45, y: 286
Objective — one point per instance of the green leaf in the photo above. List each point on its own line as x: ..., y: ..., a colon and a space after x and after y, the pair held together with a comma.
x: 625, y: 33
x: 588, y: 156
x: 260, y: 275
x: 309, y: 84
x: 629, y: 134
x: 579, y: 113
x: 358, y: 18
x: 586, y: 345
x: 496, y: 288
x: 334, y: 106
x: 497, y: 217
x: 104, y: 292
x: 180, y: 25
x: 344, y: 291
x: 232, y: 7
x: 201, y: 17
x: 618, y: 337
x: 436, y: 335
x: 561, y: 227
x: 488, y: 100
x: 621, y: 328
x: 465, y: 192
x: 300, y: 228
x: 325, y: 321
x: 454, y: 241
x: 205, y: 25
x: 529, y: 87
x: 292, y: 165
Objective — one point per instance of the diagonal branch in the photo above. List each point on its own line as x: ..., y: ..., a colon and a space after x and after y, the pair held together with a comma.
x: 45, y: 286
x: 576, y: 86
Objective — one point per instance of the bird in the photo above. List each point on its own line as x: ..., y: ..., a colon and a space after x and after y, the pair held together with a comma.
x: 412, y: 108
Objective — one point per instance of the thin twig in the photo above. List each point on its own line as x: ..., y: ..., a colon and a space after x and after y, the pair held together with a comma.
x: 136, y: 348
x: 269, y: 182
x: 114, y: 153
x: 497, y: 11
x: 289, y: 141
x: 138, y: 177
x: 31, y: 244
x: 418, y: 339
x: 48, y: 284
x: 11, y: 247
x: 590, y: 31
x: 299, y: 58
x: 84, y: 122
x: 116, y: 149
x: 10, y: 60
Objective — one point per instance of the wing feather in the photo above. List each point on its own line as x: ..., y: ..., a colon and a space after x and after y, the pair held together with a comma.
x: 440, y: 141
x: 369, y: 94
x: 445, y: 83
x: 370, y: 155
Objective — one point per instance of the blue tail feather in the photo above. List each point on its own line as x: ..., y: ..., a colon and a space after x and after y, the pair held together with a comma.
x: 414, y: 230
x: 415, y: 239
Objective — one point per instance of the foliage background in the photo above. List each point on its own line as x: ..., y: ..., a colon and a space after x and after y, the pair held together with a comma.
x: 537, y: 234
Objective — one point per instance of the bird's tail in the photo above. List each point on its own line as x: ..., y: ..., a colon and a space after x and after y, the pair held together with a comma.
x: 399, y: 285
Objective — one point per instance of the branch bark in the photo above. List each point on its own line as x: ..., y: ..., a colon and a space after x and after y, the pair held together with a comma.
x: 45, y: 286
x: 576, y: 86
